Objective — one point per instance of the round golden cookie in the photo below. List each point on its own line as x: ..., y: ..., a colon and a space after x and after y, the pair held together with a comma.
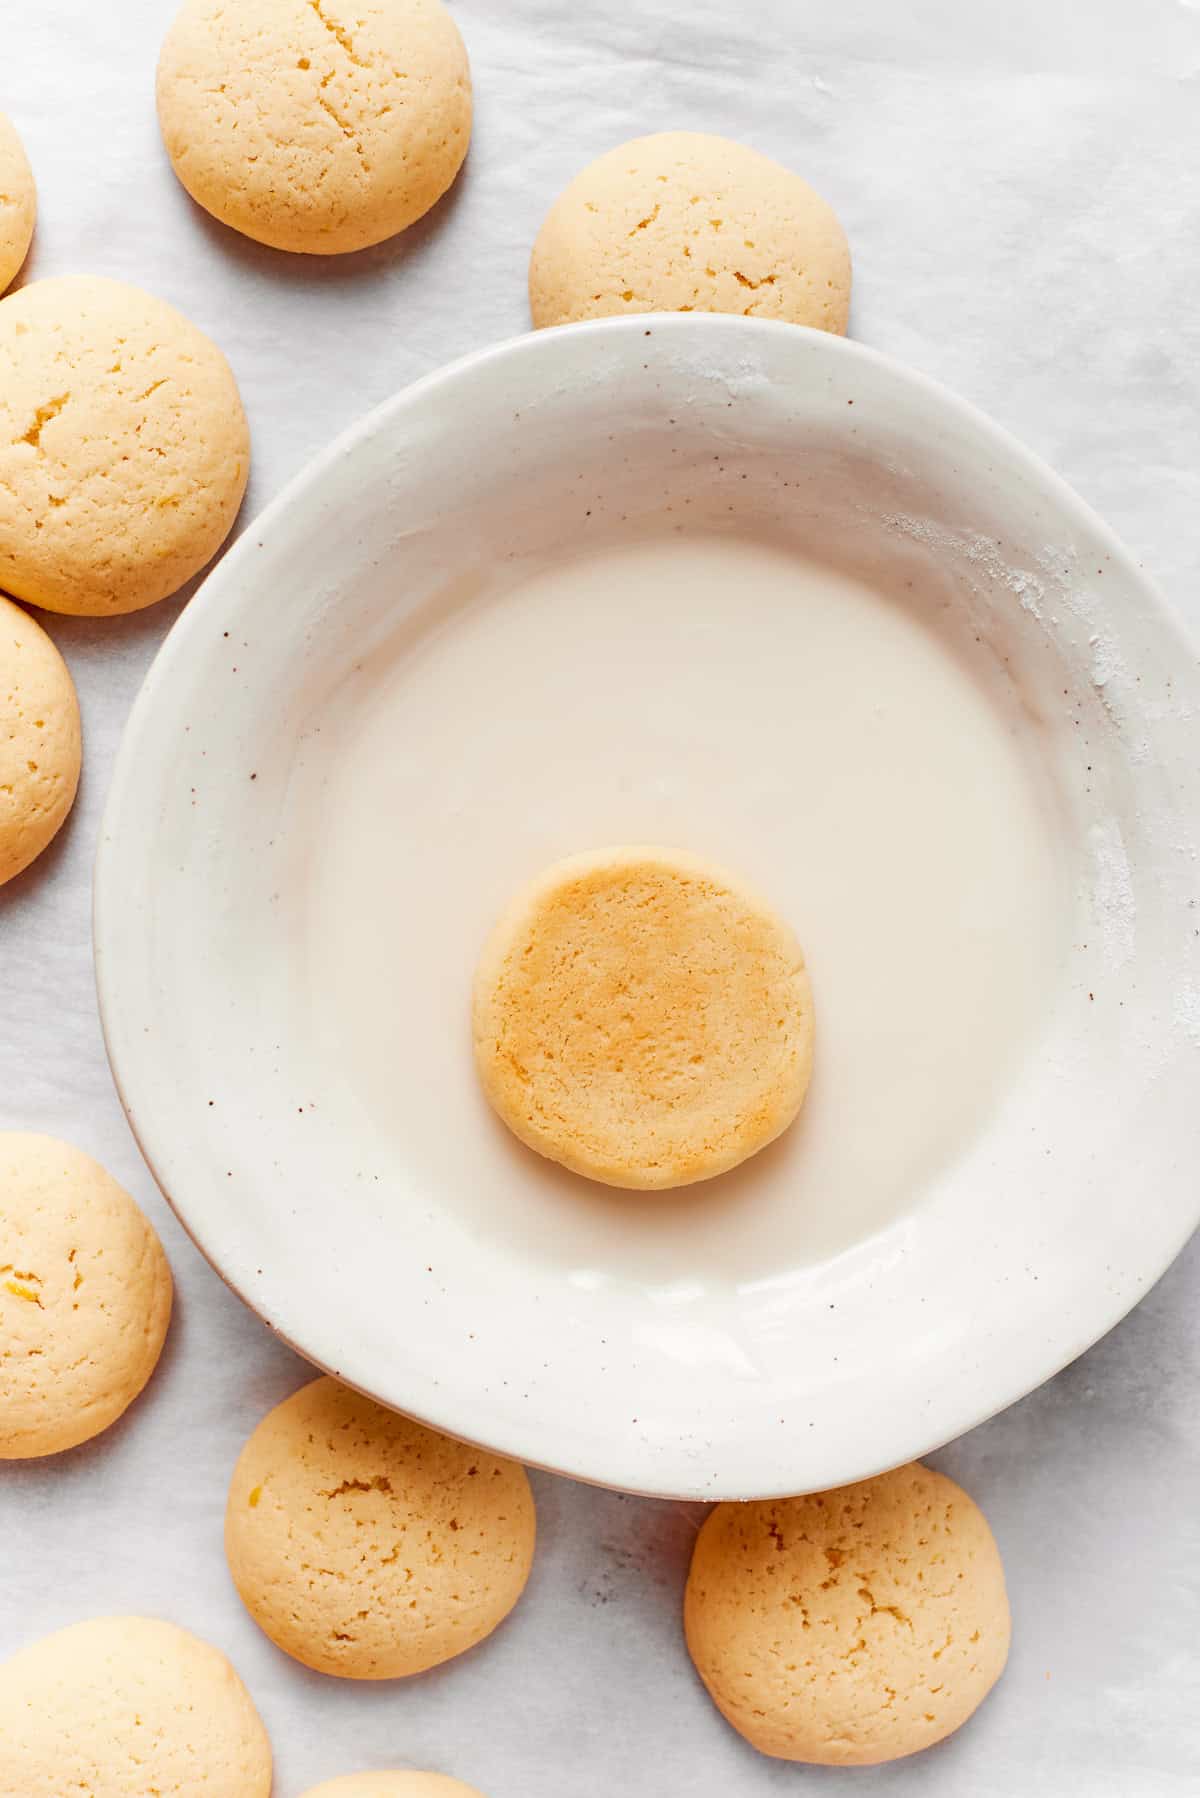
x: 850, y: 1627
x: 18, y: 202
x: 393, y: 1785
x: 685, y: 222
x: 643, y: 1018
x: 121, y: 1707
x: 368, y: 1546
x: 85, y: 1297
x: 123, y: 447
x: 314, y: 125
x: 39, y: 740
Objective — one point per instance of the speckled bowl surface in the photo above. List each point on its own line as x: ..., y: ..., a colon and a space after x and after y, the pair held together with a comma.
x: 762, y: 1366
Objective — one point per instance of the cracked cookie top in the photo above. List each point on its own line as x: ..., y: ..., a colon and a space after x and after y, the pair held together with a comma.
x: 85, y: 1297
x: 124, y: 449
x: 365, y: 1544
x: 686, y: 222
x: 849, y: 1627
x: 312, y: 126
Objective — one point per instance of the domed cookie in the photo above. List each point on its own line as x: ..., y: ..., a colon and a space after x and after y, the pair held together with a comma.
x: 643, y: 1018
x: 18, y: 203
x: 40, y: 745
x: 849, y: 1627
x: 369, y: 1546
x: 120, y: 1707
x: 85, y: 1297
x: 123, y: 447
x: 685, y: 222
x: 316, y: 127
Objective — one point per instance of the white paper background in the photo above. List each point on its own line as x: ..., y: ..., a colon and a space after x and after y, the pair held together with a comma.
x: 1020, y: 180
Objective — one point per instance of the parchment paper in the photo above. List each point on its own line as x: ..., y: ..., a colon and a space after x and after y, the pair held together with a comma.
x: 1020, y: 180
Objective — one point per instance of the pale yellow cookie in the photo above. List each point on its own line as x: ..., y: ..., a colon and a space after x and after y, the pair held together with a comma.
x: 85, y: 1297
x: 685, y: 222
x: 123, y: 447
x: 18, y: 202
x: 643, y: 1018
x: 315, y: 125
x: 368, y: 1546
x: 393, y: 1785
x: 39, y: 740
x: 126, y: 1707
x: 853, y: 1626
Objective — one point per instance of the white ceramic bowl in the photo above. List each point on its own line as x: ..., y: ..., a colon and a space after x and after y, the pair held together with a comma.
x: 458, y: 1307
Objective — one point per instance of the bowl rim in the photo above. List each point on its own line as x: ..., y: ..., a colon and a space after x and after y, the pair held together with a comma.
x: 947, y: 1421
